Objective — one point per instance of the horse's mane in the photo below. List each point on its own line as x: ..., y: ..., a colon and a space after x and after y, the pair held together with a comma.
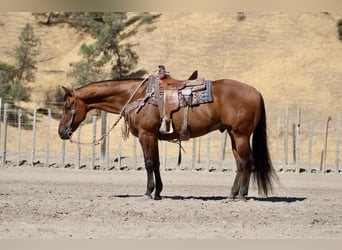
x: 110, y: 80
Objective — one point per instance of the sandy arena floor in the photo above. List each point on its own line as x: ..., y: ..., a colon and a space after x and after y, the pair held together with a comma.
x: 67, y: 203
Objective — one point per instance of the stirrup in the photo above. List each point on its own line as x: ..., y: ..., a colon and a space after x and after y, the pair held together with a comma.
x: 166, y: 127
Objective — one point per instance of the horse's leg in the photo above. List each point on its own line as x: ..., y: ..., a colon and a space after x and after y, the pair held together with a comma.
x: 159, y: 183
x: 149, y: 144
x: 242, y: 154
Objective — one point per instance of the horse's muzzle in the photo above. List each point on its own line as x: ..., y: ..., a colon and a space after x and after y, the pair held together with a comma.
x: 65, y: 133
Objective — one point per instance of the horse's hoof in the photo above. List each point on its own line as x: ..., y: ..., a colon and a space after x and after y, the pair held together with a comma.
x: 157, y: 198
x: 242, y: 198
x: 230, y: 198
x: 147, y: 197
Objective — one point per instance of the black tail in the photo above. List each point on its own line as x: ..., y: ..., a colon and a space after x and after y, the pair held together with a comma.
x: 263, y: 173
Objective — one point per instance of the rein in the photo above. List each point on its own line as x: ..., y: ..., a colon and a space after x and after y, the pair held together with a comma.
x: 121, y: 114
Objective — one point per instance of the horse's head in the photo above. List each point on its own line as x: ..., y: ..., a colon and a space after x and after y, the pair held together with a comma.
x: 74, y: 112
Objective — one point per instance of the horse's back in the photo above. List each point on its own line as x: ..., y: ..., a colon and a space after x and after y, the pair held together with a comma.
x: 234, y: 87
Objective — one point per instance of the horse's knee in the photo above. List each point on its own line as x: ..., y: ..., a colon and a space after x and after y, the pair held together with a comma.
x: 149, y: 165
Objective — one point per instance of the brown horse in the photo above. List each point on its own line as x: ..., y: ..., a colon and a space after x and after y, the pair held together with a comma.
x: 236, y: 107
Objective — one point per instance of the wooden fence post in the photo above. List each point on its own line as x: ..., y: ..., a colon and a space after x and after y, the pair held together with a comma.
x: 19, y: 135
x: 78, y: 148
x: 108, y: 147
x: 208, y: 150
x: 294, y: 142
x: 199, y: 150
x: 134, y: 146
x: 4, y: 135
x: 63, y: 154
x: 223, y: 149
x: 164, y: 155
x: 120, y: 150
x: 286, y: 137
x: 193, y: 158
x: 326, y: 145
x: 310, y: 144
x: 337, y: 159
x: 47, y: 160
x: 34, y: 133
x: 297, y: 144
x: 103, y: 131
x: 277, y: 135
x: 93, y: 154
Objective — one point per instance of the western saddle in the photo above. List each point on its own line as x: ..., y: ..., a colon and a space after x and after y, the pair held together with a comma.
x: 170, y: 94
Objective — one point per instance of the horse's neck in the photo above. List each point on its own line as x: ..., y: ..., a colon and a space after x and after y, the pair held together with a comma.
x: 107, y: 96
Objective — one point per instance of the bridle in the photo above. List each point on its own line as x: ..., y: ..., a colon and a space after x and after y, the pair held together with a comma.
x: 72, y: 111
x: 121, y: 114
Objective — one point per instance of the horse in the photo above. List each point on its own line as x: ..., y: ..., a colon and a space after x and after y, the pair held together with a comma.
x: 236, y: 107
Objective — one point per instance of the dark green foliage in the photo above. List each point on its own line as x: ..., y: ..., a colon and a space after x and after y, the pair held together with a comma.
x: 111, y: 32
x: 339, y: 29
x: 12, y: 77
x: 7, y: 76
x: 26, y: 53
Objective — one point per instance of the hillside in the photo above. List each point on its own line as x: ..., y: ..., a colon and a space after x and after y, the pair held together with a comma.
x: 284, y: 55
x: 292, y: 58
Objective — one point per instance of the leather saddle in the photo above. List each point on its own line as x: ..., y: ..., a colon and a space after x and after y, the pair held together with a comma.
x: 168, y: 90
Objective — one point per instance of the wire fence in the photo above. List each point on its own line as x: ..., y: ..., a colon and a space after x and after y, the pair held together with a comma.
x: 297, y: 143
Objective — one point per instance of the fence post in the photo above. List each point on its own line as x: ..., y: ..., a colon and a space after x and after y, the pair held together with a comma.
x: 193, y: 159
x: 63, y: 154
x: 19, y: 135
x: 164, y: 154
x: 47, y: 161
x: 223, y: 148
x: 297, y: 130
x: 93, y: 154
x: 326, y: 144
x: 78, y: 148
x: 199, y: 150
x: 208, y: 150
x: 108, y: 147
x: 277, y: 146
x: 4, y: 136
x: 34, y: 132
x: 134, y: 141
x: 338, y: 124
x: 294, y: 143
x: 286, y: 137
x: 120, y: 150
x: 310, y: 144
x: 103, y: 131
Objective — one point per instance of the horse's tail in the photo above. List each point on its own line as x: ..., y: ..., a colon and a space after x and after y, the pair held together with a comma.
x: 263, y: 172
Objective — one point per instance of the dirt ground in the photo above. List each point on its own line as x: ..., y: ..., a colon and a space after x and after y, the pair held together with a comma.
x: 57, y: 203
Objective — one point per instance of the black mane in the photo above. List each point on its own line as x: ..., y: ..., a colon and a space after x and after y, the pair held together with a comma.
x: 110, y: 80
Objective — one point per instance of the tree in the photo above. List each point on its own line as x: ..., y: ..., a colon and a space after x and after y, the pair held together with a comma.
x: 7, y: 75
x: 13, y: 76
x: 88, y: 69
x: 339, y: 29
x: 111, y: 32
x: 26, y: 53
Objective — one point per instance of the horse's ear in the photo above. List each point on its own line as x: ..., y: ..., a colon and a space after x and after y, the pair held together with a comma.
x: 67, y: 91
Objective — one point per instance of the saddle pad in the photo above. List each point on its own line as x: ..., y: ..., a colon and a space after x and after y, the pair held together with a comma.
x: 198, y: 97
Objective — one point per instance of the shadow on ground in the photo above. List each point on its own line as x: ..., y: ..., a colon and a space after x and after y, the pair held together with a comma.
x: 218, y: 198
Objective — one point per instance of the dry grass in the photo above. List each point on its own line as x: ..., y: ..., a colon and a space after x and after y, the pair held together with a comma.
x: 292, y: 58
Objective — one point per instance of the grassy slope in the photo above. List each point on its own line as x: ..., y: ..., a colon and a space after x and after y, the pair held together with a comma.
x: 292, y: 58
